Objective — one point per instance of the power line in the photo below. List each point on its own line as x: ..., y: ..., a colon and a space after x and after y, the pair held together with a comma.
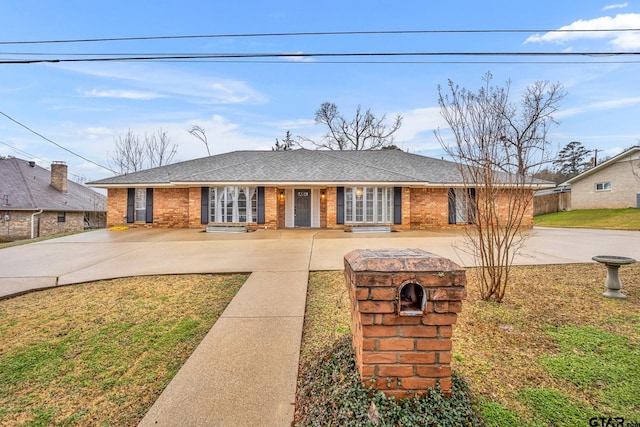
x: 55, y: 143
x: 318, y: 33
x: 174, y: 58
x: 17, y: 150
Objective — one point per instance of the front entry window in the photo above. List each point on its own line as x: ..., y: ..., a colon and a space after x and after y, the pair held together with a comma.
x: 370, y: 205
x: 233, y: 204
x: 141, y: 204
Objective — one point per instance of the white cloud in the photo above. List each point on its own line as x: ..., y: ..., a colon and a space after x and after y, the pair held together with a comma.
x: 118, y: 93
x: 418, y: 125
x: 615, y: 6
x: 599, y: 106
x: 98, y: 132
x: 170, y: 82
x: 297, y: 58
x: 620, y: 40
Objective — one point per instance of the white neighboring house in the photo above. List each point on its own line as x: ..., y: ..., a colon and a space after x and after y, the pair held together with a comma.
x: 612, y: 184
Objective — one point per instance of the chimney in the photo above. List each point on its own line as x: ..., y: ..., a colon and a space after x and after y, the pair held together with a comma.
x: 59, y: 176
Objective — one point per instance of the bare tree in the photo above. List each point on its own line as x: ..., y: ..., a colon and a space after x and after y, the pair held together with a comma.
x: 199, y: 133
x: 363, y: 132
x: 497, y: 146
x: 160, y: 151
x: 129, y: 154
x: 133, y: 154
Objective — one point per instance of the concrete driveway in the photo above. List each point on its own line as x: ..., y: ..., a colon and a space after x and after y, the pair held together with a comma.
x: 262, y: 326
x: 105, y: 254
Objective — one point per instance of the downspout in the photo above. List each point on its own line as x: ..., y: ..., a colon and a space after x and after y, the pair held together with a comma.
x: 33, y: 218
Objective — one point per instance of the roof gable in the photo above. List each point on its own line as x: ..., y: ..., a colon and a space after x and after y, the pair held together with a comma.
x: 29, y: 188
x: 632, y: 153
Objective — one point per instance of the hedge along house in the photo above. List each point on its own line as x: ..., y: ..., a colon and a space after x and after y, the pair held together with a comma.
x: 298, y: 188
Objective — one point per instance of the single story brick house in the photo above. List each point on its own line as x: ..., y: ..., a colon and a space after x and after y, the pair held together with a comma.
x: 298, y: 188
x: 37, y: 202
x: 614, y: 183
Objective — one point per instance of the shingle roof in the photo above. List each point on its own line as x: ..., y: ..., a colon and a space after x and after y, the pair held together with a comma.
x: 635, y: 150
x: 298, y: 166
x: 28, y: 188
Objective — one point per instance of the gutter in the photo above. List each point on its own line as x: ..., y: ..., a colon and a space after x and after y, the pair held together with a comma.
x: 33, y: 218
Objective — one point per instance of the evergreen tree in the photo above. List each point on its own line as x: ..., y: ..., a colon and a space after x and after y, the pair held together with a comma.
x: 286, y: 144
x: 571, y: 159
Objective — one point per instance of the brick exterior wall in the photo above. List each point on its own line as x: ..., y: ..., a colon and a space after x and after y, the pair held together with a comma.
x: 332, y: 197
x: 422, y: 208
x: 116, y: 207
x: 271, y: 208
x: 323, y: 208
x: 404, y: 353
x: 194, y: 209
x: 429, y: 208
x: 171, y: 208
x: 624, y: 187
x: 46, y: 224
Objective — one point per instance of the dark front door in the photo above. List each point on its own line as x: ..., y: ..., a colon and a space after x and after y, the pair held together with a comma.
x: 302, y: 208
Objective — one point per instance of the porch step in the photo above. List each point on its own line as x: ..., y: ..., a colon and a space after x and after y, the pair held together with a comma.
x: 371, y: 229
x: 217, y: 228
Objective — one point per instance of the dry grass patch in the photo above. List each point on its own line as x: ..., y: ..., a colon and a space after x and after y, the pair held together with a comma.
x: 553, y: 343
x: 101, y: 353
x: 499, y: 347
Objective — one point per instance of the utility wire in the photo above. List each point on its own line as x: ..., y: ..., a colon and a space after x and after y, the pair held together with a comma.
x: 17, y: 150
x: 316, y: 55
x: 55, y: 143
x: 318, y: 33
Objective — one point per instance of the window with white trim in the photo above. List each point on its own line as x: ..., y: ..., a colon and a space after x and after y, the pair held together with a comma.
x: 233, y: 204
x: 603, y: 186
x: 368, y: 205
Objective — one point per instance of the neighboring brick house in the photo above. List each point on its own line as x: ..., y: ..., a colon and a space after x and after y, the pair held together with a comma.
x: 36, y: 202
x: 298, y: 188
x: 612, y: 184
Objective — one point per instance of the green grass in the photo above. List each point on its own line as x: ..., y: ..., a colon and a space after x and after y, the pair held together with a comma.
x: 602, y: 365
x: 610, y: 219
x: 101, y: 353
x: 554, y: 353
x: 37, y: 239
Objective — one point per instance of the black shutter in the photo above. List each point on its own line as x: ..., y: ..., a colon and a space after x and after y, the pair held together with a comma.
x: 261, y: 219
x: 149, y: 213
x: 339, y: 205
x: 131, y: 205
x: 452, y: 205
x: 204, y: 205
x: 397, y: 205
x: 473, y: 206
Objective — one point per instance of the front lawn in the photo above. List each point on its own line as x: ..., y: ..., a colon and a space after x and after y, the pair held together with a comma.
x: 610, y: 219
x: 554, y: 353
x: 101, y: 353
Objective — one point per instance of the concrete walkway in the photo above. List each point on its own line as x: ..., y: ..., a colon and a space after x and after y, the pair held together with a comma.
x: 244, y: 371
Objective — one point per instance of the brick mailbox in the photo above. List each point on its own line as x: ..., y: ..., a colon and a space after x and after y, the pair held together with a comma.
x: 403, y: 305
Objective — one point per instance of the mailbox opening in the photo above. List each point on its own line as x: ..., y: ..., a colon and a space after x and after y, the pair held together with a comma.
x: 412, y: 299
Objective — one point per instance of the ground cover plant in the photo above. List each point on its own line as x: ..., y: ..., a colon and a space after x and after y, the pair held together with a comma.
x: 555, y: 352
x: 611, y: 219
x: 101, y: 353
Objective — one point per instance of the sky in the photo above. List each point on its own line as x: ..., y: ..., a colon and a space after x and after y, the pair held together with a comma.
x: 245, y: 104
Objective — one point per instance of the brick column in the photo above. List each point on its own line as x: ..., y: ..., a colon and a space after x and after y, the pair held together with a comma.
x: 403, y: 305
